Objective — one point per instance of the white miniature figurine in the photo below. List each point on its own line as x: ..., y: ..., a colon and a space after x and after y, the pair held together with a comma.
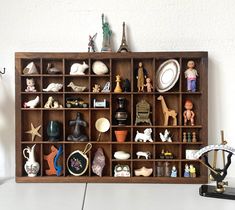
x: 76, y: 88
x: 173, y: 171
x: 56, y: 105
x: 30, y: 69
x: 54, y: 87
x: 146, y: 155
x: 121, y: 155
x: 166, y: 137
x: 106, y: 88
x: 144, y: 137
x: 78, y: 69
x: 30, y: 85
x: 51, y: 103
x: 32, y: 103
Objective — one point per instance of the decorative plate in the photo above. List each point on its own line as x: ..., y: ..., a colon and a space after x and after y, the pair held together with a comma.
x: 77, y: 162
x: 167, y: 75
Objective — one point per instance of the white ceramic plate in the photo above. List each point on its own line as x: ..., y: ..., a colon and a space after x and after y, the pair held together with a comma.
x: 167, y: 75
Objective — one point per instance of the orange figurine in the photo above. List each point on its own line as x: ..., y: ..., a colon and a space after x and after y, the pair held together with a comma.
x: 188, y: 113
x: 50, y: 160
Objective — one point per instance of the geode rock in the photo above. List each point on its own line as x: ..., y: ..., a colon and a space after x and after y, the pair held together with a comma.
x: 98, y: 162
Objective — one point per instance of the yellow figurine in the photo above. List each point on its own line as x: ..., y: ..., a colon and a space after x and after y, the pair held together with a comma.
x: 118, y: 88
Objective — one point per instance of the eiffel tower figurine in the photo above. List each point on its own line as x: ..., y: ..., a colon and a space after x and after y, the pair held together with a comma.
x: 123, y: 47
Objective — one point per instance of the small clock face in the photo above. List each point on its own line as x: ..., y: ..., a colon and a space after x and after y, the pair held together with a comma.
x: 77, y: 163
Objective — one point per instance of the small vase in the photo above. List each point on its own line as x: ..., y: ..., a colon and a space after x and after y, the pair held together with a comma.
x: 121, y: 135
x: 121, y: 113
x: 31, y: 166
x: 53, y: 130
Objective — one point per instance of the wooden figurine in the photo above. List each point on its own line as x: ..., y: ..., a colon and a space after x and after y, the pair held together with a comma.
x: 148, y: 85
x: 194, y: 139
x: 142, y: 112
x: 167, y: 112
x: 118, y: 88
x: 184, y: 137
x: 191, y: 75
x: 96, y: 88
x: 30, y: 85
x: 50, y: 160
x: 140, y: 76
x: 188, y: 113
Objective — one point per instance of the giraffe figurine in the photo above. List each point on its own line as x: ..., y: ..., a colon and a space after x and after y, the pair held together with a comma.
x: 167, y: 112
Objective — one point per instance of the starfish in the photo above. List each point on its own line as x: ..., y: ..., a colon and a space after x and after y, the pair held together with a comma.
x: 34, y: 131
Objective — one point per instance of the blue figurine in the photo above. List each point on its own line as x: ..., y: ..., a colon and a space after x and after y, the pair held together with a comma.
x: 173, y: 171
x: 186, y: 171
x: 57, y: 167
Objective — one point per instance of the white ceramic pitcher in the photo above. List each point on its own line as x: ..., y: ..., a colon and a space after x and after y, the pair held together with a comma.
x: 31, y: 166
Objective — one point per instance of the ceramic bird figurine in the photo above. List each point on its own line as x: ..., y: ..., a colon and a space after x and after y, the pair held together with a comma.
x: 54, y: 87
x: 76, y: 88
x: 32, y: 103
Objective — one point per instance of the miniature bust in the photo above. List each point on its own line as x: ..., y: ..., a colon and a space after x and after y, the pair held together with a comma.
x: 186, y: 170
x: 148, y: 85
x: 188, y: 113
x: 191, y: 75
x: 140, y: 76
x: 30, y: 85
x: 77, y: 134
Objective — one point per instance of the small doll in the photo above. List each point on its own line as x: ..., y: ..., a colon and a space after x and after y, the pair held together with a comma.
x: 192, y: 171
x: 173, y: 171
x: 188, y: 113
x: 186, y: 170
x: 30, y: 85
x: 191, y: 75
x: 148, y: 85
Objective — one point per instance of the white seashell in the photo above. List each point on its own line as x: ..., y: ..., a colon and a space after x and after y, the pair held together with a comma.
x: 121, y: 155
x: 30, y: 69
x: 54, y: 87
x: 99, y: 68
x: 78, y: 69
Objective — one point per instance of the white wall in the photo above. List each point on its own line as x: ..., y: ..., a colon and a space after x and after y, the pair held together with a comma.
x: 153, y: 25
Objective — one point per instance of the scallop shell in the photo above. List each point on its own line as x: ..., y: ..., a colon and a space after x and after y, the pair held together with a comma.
x: 99, y: 68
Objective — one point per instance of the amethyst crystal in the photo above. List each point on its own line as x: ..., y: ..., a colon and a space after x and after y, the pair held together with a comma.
x: 98, y: 162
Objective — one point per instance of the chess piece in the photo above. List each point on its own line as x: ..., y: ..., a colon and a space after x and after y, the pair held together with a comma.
x: 106, y: 44
x: 189, y: 137
x: 184, y: 137
x: 77, y: 134
x: 118, y: 88
x: 123, y: 47
x: 194, y: 139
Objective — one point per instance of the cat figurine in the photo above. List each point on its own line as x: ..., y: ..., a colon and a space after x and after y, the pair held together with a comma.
x: 30, y: 85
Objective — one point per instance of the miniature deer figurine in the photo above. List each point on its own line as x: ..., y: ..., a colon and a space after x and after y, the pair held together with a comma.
x: 167, y: 112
